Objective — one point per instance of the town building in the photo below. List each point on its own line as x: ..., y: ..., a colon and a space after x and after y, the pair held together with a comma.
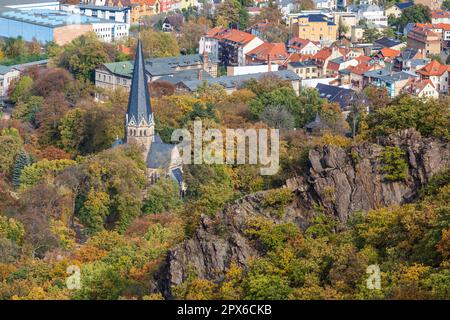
x: 437, y: 73
x: 386, y: 42
x: 396, y: 9
x: 371, y: 13
x: 303, y: 46
x: 55, y: 26
x: 172, y: 23
x: 305, y: 70
x: 7, y: 75
x: 394, y: 82
x: 115, y: 75
x: 230, y: 45
x: 267, y: 53
x: 6, y: 5
x: 315, y: 27
x: 117, y: 14
x: 440, y: 16
x: 334, y: 94
x: 347, y: 19
x: 421, y: 89
x: 233, y: 83
x: 138, y: 8
x: 425, y: 39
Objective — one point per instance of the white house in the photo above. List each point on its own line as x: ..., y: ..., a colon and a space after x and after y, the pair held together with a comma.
x: 7, y: 75
x: 117, y: 14
x: 371, y: 13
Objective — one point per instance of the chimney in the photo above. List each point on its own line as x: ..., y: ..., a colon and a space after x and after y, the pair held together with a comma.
x: 269, y: 63
x: 205, y: 60
x: 200, y: 74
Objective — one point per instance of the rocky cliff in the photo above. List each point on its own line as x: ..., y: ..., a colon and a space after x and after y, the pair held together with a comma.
x: 341, y: 181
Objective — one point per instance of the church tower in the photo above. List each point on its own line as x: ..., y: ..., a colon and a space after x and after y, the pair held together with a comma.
x: 140, y: 125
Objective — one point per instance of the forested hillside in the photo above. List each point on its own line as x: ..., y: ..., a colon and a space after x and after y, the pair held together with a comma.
x: 373, y: 189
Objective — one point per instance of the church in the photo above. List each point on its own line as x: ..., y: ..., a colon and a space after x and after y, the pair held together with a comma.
x: 162, y: 159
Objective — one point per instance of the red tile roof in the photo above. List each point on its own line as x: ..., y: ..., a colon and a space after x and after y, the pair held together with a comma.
x: 389, y: 53
x: 277, y: 51
x: 234, y: 35
x: 361, y: 68
x: 296, y: 57
x: 440, y: 14
x: 299, y: 43
x: 361, y: 59
x: 433, y: 68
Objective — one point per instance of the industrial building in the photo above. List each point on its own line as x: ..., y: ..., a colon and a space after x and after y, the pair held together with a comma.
x: 57, y: 26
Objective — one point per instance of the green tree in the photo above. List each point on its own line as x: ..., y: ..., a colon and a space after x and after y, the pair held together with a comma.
x: 22, y: 160
x: 395, y: 166
x: 95, y: 210
x: 27, y: 110
x: 22, y: 90
x: 159, y: 44
x: 162, y: 196
x: 83, y: 55
x: 11, y: 145
x: 417, y: 13
x: 32, y: 174
x: 446, y: 5
x: 370, y: 35
x: 72, y: 129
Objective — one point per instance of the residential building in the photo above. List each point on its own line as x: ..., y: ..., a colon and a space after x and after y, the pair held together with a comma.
x: 370, y: 13
x: 325, y: 4
x: 138, y: 8
x: 315, y: 27
x: 229, y: 45
x: 347, y: 19
x: 323, y: 57
x: 421, y: 89
x: 232, y: 83
x: 57, y: 26
x: 394, y: 82
x: 403, y: 61
x: 386, y: 42
x: 303, y: 46
x: 334, y: 94
x: 7, y: 75
x: 266, y: 53
x: 440, y: 16
x: 117, y: 14
x: 396, y: 9
x: 305, y: 70
x: 209, y: 42
x: 257, y: 68
x: 437, y: 73
x: 356, y: 74
x: 172, y: 23
x: 118, y: 74
x: 340, y: 63
x: 432, y: 4
x: 423, y: 38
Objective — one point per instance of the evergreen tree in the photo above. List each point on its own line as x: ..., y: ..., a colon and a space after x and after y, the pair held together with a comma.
x: 22, y: 160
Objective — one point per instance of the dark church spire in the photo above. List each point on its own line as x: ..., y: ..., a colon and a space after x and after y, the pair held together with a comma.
x: 139, y: 107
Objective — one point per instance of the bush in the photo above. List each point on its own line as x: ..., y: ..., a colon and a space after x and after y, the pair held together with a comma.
x: 277, y: 199
x: 395, y: 166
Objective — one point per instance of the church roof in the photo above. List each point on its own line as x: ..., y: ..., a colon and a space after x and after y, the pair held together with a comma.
x: 139, y: 107
x: 160, y: 154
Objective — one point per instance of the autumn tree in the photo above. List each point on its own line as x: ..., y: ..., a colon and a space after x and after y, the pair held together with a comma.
x: 159, y: 44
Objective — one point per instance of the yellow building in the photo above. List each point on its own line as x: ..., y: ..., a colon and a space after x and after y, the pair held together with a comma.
x: 139, y: 8
x: 315, y: 27
x: 184, y: 4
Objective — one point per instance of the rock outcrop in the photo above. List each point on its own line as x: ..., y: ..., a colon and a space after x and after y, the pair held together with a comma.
x: 341, y: 181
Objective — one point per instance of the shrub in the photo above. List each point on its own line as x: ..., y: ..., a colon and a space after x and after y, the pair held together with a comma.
x: 277, y: 199
x: 394, y: 166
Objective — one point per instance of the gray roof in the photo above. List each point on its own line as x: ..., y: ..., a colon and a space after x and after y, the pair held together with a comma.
x: 160, y: 154
x: 388, y: 77
x: 236, y: 81
x: 302, y: 64
x: 102, y: 8
x: 377, y: 73
x: 340, y: 95
x: 139, y: 101
x: 184, y: 75
x: 316, y: 124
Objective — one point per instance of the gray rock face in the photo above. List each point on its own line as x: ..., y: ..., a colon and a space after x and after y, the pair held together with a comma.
x: 341, y: 181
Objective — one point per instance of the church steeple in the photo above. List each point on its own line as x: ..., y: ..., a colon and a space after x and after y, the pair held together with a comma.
x: 140, y: 125
x: 139, y: 107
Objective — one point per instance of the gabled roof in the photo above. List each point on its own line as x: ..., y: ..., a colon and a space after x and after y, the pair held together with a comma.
x: 299, y: 43
x: 404, y: 5
x: 389, y: 53
x: 440, y: 14
x: 361, y: 68
x: 434, y: 68
x: 415, y: 86
x: 336, y: 94
x: 387, y: 42
x: 234, y: 35
x: 277, y: 51
x: 139, y: 107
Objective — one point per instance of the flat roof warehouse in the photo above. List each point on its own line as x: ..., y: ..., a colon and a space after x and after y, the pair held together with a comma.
x: 50, y: 18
